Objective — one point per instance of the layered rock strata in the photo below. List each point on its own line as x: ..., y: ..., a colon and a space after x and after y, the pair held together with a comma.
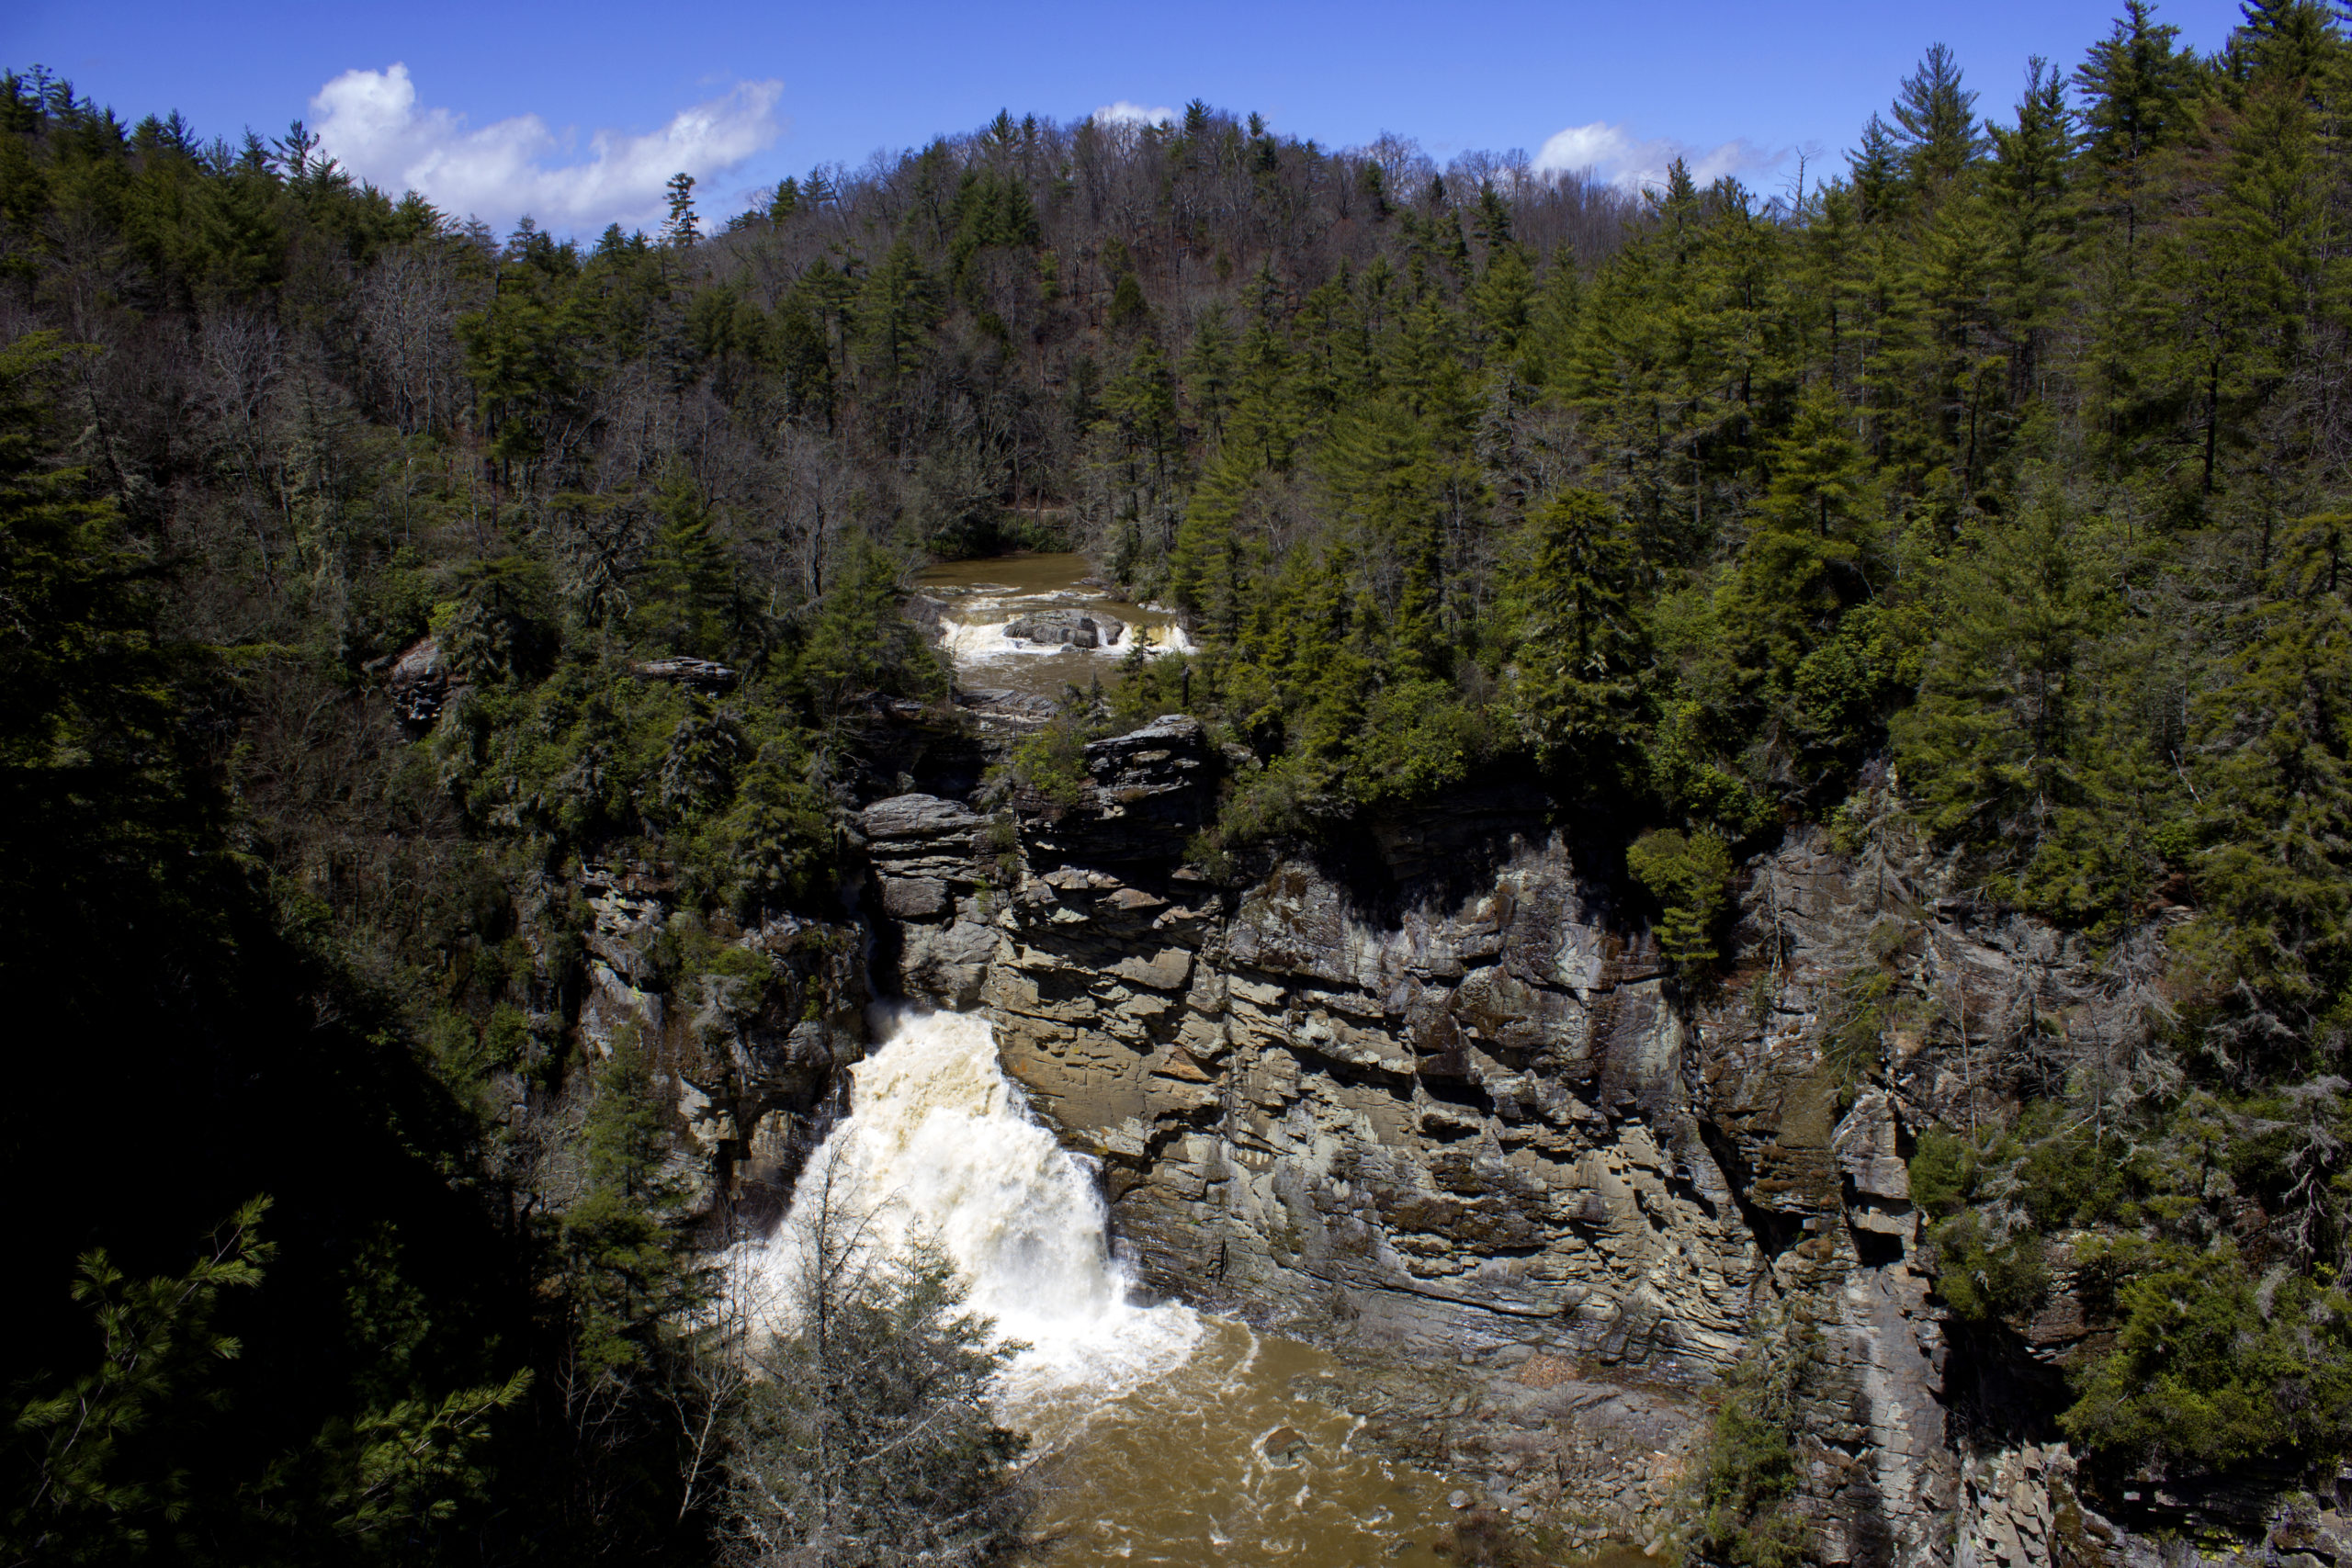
x: 1432, y: 1101
x: 1439, y: 1104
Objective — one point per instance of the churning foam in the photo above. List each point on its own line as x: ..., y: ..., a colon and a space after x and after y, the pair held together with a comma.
x: 977, y: 635
x: 939, y: 1141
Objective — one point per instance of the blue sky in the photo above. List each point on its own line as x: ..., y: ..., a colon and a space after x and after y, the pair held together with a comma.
x: 578, y: 113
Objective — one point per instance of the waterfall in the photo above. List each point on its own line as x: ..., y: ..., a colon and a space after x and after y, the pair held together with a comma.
x: 1171, y: 638
x: 939, y: 1140
x: 972, y: 643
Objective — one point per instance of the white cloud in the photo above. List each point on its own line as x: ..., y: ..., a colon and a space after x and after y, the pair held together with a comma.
x: 371, y: 121
x: 1125, y: 113
x: 1617, y: 156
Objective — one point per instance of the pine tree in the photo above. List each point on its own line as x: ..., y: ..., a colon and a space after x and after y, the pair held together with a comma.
x: 2136, y: 89
x: 2029, y: 190
x: 1936, y: 121
x: 1263, y: 423
x: 681, y: 228
x: 1877, y: 170
x: 894, y: 310
x: 1208, y: 373
x: 1818, y: 474
x: 685, y: 601
x: 1577, y: 634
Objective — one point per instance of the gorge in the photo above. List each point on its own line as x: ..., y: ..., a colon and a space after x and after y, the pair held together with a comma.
x: 1436, y: 1109
x: 1443, y: 856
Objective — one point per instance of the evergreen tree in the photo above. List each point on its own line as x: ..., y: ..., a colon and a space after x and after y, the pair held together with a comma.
x: 1208, y: 373
x: 681, y: 228
x: 1934, y: 117
x: 1579, y: 635
x: 2136, y: 88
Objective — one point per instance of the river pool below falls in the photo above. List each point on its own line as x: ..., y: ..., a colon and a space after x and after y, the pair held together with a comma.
x: 1240, y: 1455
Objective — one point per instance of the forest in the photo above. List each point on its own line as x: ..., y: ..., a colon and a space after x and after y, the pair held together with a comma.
x: 1990, y: 486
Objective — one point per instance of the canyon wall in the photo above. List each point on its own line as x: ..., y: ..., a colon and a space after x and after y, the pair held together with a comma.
x: 1431, y: 1099
x: 1435, y: 1101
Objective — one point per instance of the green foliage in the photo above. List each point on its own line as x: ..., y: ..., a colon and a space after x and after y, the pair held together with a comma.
x: 1984, y: 1278
x: 110, y: 806
x: 2215, y: 1365
x: 1581, y: 640
x: 632, y: 1271
x: 774, y: 839
x: 1749, y: 1470
x: 112, y: 1456
x: 86, y: 1497
x: 685, y: 603
x: 1419, y: 739
x: 1051, y: 764
x: 498, y: 633
x: 2275, y: 830
x: 1943, y: 1169
x: 871, y: 1424
x: 1861, y: 1007
x: 1689, y: 876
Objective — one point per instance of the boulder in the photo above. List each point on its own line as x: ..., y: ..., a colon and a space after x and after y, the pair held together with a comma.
x: 925, y: 611
x: 702, y: 674
x: 1070, y: 629
x: 419, y: 684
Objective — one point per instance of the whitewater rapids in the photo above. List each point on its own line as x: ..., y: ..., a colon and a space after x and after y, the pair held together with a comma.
x: 981, y: 641
x: 938, y: 1142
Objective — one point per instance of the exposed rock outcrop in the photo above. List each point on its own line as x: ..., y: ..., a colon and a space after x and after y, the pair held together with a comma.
x: 418, y: 685
x: 701, y: 674
x: 1070, y: 629
x: 1431, y: 1099
x: 1437, y: 1103
x: 1003, y: 709
x: 749, y: 1047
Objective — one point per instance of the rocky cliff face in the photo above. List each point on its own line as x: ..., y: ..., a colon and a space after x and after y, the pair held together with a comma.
x: 1433, y: 1101
x: 750, y: 1045
x: 1438, y: 1103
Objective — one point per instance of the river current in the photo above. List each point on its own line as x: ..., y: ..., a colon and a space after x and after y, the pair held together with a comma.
x: 984, y: 597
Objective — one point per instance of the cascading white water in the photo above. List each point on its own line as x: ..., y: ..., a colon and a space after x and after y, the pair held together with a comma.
x: 938, y: 1140
x: 982, y: 642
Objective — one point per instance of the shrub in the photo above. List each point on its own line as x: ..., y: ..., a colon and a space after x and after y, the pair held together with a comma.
x: 1749, y: 1468
x: 1689, y: 876
x: 1419, y: 737
x: 1943, y: 1173
x: 1986, y: 1279
x: 2213, y: 1367
x: 1052, y: 763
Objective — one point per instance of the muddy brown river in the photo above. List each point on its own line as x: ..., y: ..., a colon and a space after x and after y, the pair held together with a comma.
x: 1232, y: 1458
